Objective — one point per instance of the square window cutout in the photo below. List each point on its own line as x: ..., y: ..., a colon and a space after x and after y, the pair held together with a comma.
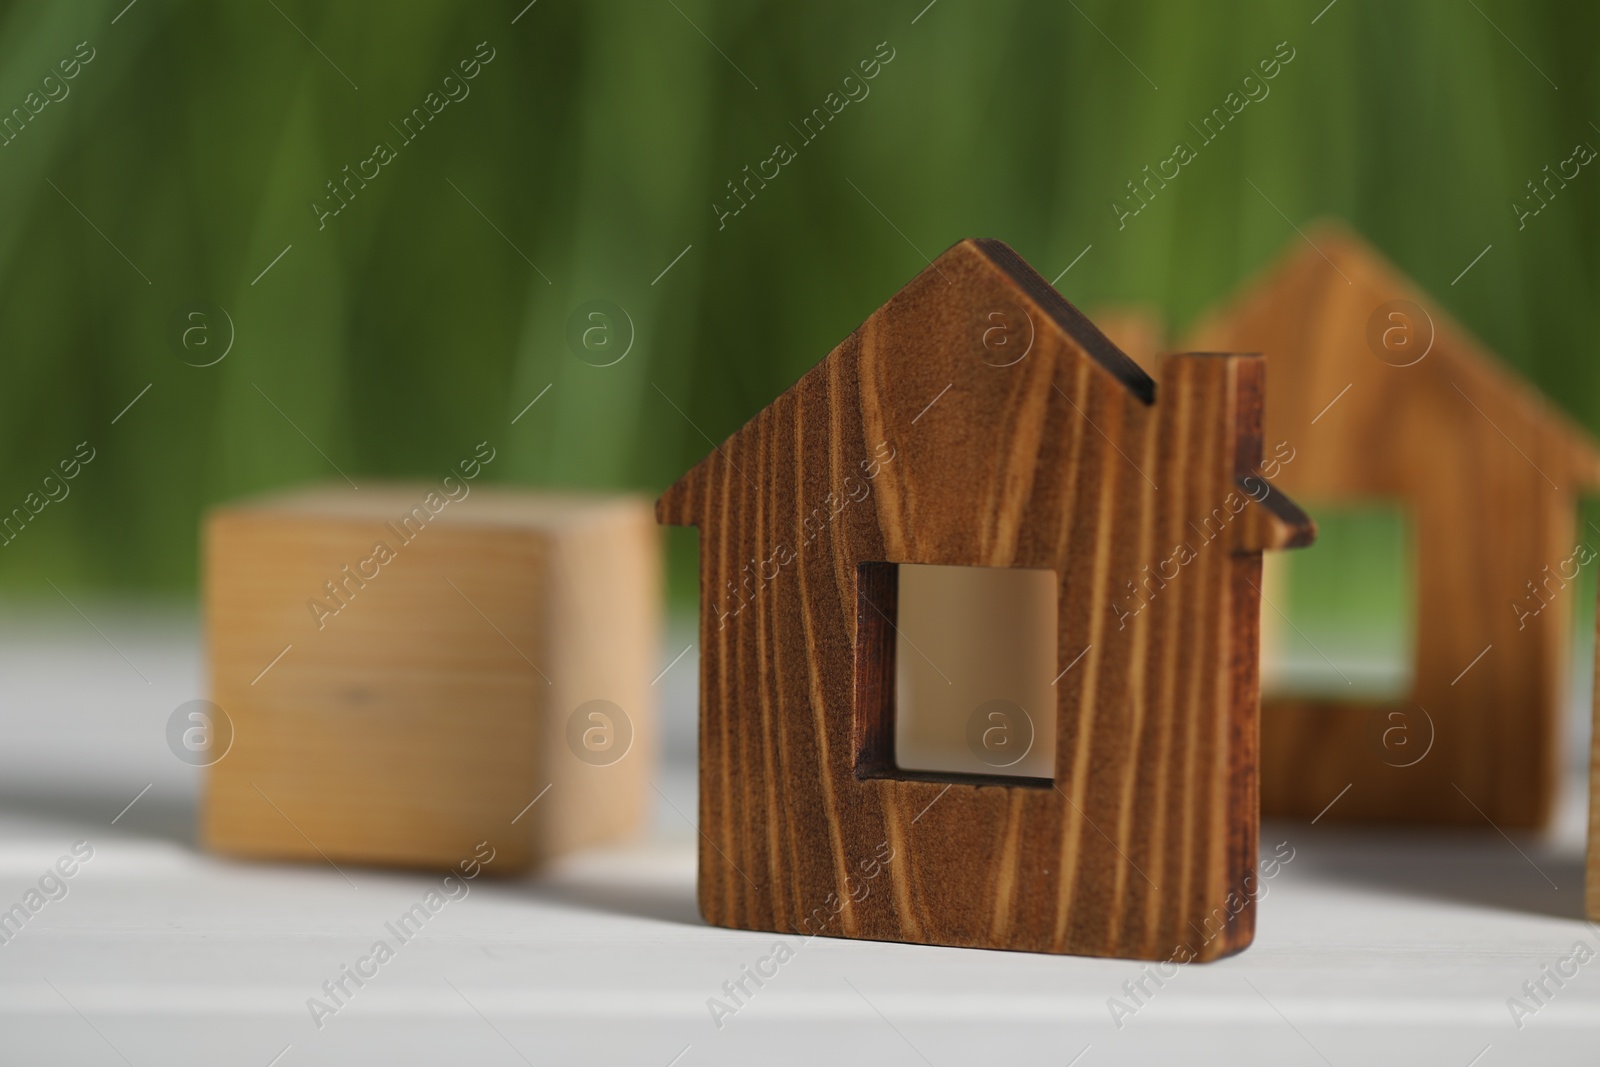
x: 1339, y: 622
x: 960, y: 662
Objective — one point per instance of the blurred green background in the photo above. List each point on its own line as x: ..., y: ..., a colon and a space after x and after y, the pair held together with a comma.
x: 187, y: 155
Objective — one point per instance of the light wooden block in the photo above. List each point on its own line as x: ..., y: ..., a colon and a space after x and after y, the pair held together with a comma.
x: 451, y: 686
x: 978, y: 420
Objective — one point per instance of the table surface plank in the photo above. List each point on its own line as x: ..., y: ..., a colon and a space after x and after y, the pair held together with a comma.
x: 1373, y: 946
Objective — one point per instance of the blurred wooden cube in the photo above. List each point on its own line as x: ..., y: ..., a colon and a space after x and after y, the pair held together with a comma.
x: 405, y: 674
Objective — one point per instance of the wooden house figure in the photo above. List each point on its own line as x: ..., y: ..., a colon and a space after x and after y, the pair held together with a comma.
x: 1382, y: 398
x: 978, y: 425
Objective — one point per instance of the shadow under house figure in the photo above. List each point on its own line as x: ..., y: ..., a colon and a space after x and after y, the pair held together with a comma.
x: 1385, y: 400
x: 977, y: 424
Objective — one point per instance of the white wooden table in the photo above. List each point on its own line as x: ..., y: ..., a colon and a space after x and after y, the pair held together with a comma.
x: 1372, y: 948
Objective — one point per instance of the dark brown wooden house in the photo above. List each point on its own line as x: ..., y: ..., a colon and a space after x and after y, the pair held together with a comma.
x: 977, y: 420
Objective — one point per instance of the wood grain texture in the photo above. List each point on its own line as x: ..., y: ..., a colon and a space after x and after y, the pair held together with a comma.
x: 928, y: 437
x: 426, y: 714
x: 1489, y: 474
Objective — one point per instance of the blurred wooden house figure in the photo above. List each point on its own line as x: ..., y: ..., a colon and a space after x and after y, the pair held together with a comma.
x: 1382, y: 400
x: 978, y: 634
